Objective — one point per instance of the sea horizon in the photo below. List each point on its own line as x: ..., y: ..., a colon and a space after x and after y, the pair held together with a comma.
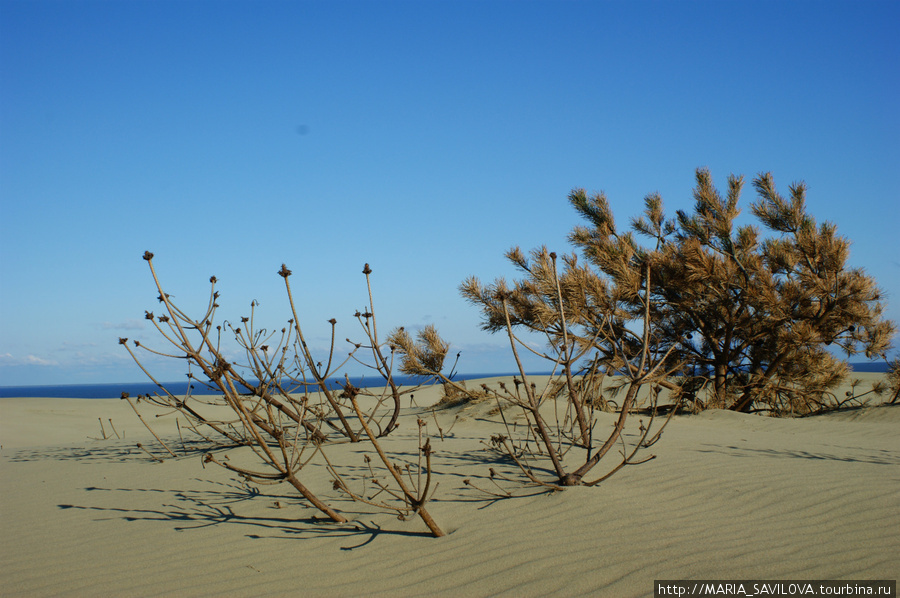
x: 114, y: 390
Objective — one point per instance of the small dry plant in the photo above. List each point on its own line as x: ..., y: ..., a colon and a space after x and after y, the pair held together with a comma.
x: 282, y: 403
x: 561, y: 426
x: 886, y: 391
x: 893, y: 380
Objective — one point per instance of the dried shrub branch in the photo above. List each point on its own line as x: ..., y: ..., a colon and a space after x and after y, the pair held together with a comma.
x: 280, y: 399
x: 553, y: 304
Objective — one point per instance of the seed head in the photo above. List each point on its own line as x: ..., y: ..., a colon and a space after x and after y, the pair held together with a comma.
x: 284, y: 272
x: 148, y: 256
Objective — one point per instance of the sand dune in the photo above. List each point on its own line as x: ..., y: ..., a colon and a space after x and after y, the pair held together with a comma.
x: 729, y: 496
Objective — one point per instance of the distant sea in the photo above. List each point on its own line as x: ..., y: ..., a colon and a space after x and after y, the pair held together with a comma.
x: 114, y: 391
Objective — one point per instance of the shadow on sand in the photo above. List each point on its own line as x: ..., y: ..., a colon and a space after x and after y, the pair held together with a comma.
x: 215, y: 506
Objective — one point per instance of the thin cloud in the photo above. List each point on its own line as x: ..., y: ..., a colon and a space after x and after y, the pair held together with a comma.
x: 35, y: 360
x: 8, y: 359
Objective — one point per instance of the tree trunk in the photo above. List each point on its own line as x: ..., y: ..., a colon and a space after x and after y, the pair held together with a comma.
x: 719, y: 382
x: 743, y: 404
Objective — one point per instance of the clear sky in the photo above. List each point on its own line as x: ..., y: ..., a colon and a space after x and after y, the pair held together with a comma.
x: 425, y: 138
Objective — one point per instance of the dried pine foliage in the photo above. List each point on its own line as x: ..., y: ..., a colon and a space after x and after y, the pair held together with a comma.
x: 753, y: 319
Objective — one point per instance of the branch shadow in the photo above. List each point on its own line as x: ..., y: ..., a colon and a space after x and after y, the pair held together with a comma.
x: 116, y: 450
x: 192, y: 510
x: 875, y: 457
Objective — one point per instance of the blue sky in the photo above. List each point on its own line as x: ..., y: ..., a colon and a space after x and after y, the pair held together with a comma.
x: 425, y: 138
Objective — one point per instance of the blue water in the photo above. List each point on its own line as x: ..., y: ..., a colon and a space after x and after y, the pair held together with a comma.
x: 114, y: 391
x: 877, y: 367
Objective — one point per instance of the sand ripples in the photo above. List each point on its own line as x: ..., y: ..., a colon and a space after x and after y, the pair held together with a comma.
x: 730, y: 496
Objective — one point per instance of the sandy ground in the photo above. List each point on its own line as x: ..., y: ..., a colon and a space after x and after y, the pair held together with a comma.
x: 729, y: 496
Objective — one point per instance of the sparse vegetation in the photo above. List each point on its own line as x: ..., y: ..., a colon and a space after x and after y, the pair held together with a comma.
x: 707, y: 315
x: 561, y: 418
x: 281, y: 402
x: 751, y: 320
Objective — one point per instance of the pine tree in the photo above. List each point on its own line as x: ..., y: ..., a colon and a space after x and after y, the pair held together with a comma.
x: 753, y: 320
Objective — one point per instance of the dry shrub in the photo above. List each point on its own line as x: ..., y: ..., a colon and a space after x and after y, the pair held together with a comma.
x: 560, y: 418
x: 281, y: 402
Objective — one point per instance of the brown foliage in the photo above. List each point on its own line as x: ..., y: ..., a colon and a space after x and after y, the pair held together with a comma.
x: 751, y: 318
